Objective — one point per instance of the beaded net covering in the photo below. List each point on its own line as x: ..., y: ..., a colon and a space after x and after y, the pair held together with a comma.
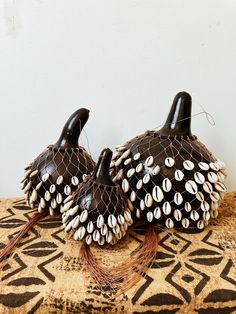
x: 175, y: 181
x: 97, y: 212
x: 54, y: 175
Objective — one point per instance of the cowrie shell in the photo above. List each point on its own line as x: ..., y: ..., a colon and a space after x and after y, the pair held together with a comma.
x: 101, y: 240
x: 194, y: 215
x: 112, y: 222
x: 125, y: 154
x: 177, y: 214
x: 146, y: 178
x: 96, y: 235
x: 139, y: 167
x: 127, y: 216
x: 100, y: 221
x: 155, y: 170
x: 33, y: 173
x: 148, y: 200
x: 191, y: 187
x: 38, y: 186
x: 69, y: 226
x: 185, y: 223
x: 52, y: 188
x: 221, y: 187
x: 130, y: 172
x: 207, y: 187
x: 104, y: 230
x: 179, y: 175
x: 215, y: 197
x: 84, y: 216
x: 142, y: 204
x: 178, y: 198
x: 90, y: 227
x: 157, y: 213
x: 204, y: 166
x: 214, y: 166
x: 205, y: 206
x: 136, y: 156
x: 75, y: 180
x: 199, y: 177
x: 28, y: 186
x: 88, y: 239
x: 67, y: 190
x: 166, y: 208
x: 157, y: 194
x: 200, y: 196
x: 139, y: 184
x: 118, y: 162
x: 188, y: 165
x: 169, y: 223
x: 149, y: 216
x: 127, y: 161
x: 121, y: 219
x: 80, y: 233
x: 34, y: 196
x: 109, y: 237
x: 42, y: 203
x: 166, y: 185
x: 169, y: 162
x: 125, y: 185
x: 76, y: 222
x: 130, y: 205
x: 200, y: 224
x: 45, y: 177
x: 214, y: 205
x: 59, y: 180
x: 212, y: 177
x: 132, y: 196
x: 53, y: 203
x: 149, y: 161
x: 73, y: 210
x: 206, y: 215
x: 120, y: 148
x: 187, y: 207
x: 47, y: 196
x: 119, y: 175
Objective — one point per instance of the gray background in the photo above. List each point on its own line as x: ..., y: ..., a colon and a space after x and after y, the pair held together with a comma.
x: 125, y: 60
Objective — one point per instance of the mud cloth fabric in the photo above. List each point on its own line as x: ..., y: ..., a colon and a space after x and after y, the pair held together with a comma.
x: 192, y: 273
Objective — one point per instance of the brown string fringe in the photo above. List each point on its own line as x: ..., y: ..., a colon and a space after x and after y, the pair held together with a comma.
x: 119, y: 279
x: 5, y: 252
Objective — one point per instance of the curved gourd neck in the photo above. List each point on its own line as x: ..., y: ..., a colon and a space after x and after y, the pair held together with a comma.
x: 70, y: 134
x: 178, y: 122
x: 102, y: 170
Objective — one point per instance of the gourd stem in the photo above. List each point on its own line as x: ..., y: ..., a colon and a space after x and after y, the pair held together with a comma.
x: 178, y: 122
x: 72, y: 129
x: 101, y: 172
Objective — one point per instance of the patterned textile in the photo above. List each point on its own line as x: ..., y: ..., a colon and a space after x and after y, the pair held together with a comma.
x: 192, y: 273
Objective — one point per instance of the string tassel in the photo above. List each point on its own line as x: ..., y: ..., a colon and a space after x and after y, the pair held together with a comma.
x: 124, y: 276
x: 5, y: 252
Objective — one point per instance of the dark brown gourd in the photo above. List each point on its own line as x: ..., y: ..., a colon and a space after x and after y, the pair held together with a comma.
x: 58, y: 170
x: 169, y: 175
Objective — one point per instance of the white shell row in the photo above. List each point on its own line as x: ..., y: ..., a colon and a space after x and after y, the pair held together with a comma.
x: 99, y: 231
x: 41, y: 202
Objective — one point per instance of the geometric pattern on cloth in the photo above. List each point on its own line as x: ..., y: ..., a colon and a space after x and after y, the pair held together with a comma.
x: 191, y: 273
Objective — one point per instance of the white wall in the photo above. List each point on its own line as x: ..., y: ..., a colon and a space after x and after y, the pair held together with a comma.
x: 123, y: 59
